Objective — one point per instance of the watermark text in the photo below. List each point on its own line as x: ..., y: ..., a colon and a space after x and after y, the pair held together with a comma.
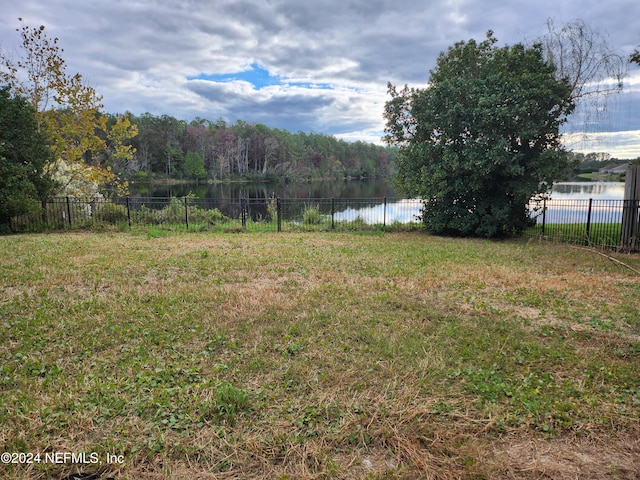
x: 83, y: 458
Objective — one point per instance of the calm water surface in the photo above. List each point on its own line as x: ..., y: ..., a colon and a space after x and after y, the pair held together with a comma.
x: 326, y: 189
x: 586, y: 190
x: 350, y: 189
x: 395, y: 209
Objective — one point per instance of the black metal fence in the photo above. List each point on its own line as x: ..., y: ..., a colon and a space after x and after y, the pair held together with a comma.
x: 263, y: 214
x: 588, y: 222
x: 609, y: 224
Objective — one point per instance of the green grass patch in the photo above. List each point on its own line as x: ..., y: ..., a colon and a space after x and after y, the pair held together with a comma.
x: 323, y: 355
x: 599, y: 234
x: 602, y: 177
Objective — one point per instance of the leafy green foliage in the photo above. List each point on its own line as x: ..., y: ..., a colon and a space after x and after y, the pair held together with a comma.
x: 23, y: 157
x: 211, y: 216
x: 194, y: 166
x: 482, y: 139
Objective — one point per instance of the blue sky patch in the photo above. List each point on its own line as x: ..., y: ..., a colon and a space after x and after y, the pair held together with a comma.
x: 320, y: 86
x: 259, y: 78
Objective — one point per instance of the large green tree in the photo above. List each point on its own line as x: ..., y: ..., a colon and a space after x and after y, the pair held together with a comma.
x: 482, y: 138
x: 24, y: 155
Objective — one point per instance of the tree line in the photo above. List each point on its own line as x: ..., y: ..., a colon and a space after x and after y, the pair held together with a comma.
x: 203, y: 149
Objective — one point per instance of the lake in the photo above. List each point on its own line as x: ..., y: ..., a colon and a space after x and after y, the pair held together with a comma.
x: 371, y: 188
x: 320, y: 189
x: 350, y: 197
x: 586, y: 190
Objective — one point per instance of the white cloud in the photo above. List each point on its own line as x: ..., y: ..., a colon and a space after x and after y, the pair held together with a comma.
x: 622, y: 145
x: 139, y: 54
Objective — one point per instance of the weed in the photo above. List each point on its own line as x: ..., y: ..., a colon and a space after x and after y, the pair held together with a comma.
x: 312, y: 216
x: 272, y: 208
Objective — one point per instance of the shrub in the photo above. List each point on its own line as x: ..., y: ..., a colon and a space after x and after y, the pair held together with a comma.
x: 312, y: 216
x: 146, y: 216
x: 174, y: 212
x: 210, y: 217
x: 111, y: 213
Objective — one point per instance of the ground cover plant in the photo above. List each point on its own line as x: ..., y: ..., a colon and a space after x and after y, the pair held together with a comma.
x: 317, y: 355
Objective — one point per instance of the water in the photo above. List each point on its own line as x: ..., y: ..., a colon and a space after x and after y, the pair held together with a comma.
x: 570, y: 203
x: 586, y: 190
x: 373, y: 188
x: 396, y: 209
x: 324, y: 189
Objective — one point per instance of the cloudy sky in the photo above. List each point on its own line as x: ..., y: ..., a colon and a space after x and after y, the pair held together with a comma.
x: 304, y: 65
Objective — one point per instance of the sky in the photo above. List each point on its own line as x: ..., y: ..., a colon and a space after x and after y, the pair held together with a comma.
x: 313, y: 66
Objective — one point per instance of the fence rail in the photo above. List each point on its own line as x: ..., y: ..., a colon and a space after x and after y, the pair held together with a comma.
x: 603, y: 223
x: 610, y: 224
x: 263, y: 214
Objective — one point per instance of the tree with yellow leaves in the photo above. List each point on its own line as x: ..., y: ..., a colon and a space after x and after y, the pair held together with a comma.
x: 68, y: 113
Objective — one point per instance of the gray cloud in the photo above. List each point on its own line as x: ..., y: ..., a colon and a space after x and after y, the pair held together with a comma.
x: 139, y: 55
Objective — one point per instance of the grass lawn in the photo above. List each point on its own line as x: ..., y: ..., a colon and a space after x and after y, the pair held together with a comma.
x: 606, y: 235
x: 603, y: 177
x: 316, y: 356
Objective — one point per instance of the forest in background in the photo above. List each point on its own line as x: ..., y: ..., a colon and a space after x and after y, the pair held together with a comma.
x: 166, y: 147
x: 202, y: 150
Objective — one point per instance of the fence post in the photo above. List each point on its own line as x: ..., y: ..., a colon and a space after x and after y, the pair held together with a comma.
x: 45, y: 217
x: 588, y: 231
x: 544, y: 214
x: 333, y: 211
x: 69, y: 210
x: 279, y: 210
x: 384, y: 213
x: 128, y: 212
x: 630, y: 231
x: 243, y: 211
x: 186, y: 211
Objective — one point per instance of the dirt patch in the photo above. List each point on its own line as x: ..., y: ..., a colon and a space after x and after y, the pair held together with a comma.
x: 564, y: 458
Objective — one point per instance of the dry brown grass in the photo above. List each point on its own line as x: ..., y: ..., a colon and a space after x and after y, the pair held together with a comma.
x: 564, y: 458
x: 387, y: 356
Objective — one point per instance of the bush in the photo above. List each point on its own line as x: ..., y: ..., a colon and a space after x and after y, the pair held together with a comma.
x: 357, y: 223
x: 210, y: 217
x: 174, y: 212
x: 146, y: 216
x: 111, y: 213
